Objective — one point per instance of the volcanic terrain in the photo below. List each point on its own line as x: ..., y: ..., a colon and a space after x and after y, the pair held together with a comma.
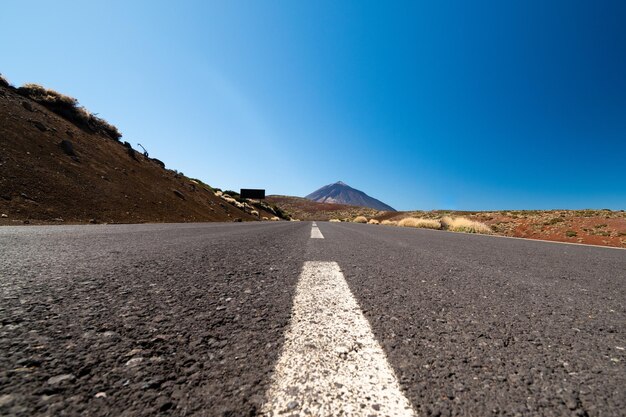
x: 68, y: 166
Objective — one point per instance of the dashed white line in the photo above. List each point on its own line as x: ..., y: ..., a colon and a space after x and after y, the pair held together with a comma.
x: 315, y: 232
x: 331, y: 363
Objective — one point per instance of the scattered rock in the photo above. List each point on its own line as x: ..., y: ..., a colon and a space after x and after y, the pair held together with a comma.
x: 158, y: 162
x: 101, y: 395
x: 134, y: 362
x: 237, y: 220
x: 292, y: 405
x: 179, y: 194
x: 6, y: 400
x: 27, y: 106
x: 93, y: 221
x: 131, y: 152
x: 111, y: 335
x: 67, y: 147
x: 152, y: 384
x: 61, y: 378
x: 39, y: 125
x: 29, y: 362
x: 4, y: 216
x: 164, y: 404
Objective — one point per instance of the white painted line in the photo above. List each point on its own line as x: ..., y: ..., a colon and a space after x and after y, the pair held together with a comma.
x: 315, y: 232
x: 331, y: 363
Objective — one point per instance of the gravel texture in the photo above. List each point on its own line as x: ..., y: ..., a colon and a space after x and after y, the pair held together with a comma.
x: 479, y: 325
x: 142, y: 320
x: 190, y: 320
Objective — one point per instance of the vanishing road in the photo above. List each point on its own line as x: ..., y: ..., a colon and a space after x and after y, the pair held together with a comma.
x: 293, y: 318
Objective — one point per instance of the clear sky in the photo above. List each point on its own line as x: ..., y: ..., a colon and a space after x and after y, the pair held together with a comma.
x: 421, y: 104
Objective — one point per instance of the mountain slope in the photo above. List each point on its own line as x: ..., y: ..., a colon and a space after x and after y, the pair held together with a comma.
x: 53, y: 170
x: 341, y: 193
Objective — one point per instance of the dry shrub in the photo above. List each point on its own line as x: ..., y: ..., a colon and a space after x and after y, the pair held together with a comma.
x: 335, y: 221
x: 420, y: 223
x: 4, y: 82
x: 360, y: 219
x: 461, y: 224
x: 275, y: 219
x: 68, y: 108
x: 373, y: 221
x: 389, y: 223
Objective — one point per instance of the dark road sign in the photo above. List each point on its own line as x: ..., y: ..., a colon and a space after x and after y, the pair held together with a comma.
x: 252, y: 193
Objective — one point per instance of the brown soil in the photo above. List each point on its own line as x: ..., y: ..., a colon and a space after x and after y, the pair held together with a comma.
x: 41, y: 184
x: 303, y: 209
x: 592, y: 227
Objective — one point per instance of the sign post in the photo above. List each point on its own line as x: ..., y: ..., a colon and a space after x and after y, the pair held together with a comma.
x: 254, y: 194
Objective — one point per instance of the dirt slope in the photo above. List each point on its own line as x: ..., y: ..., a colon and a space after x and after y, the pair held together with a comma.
x: 103, y: 182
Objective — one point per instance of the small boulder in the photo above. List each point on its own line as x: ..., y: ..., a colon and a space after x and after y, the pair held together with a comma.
x: 67, y: 147
x: 131, y: 153
x: 158, y: 162
x: 61, y: 378
x: 237, y: 220
x: 39, y: 125
x: 179, y: 194
x: 27, y: 106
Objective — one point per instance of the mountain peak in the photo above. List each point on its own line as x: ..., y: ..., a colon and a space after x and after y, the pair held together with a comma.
x: 342, y: 193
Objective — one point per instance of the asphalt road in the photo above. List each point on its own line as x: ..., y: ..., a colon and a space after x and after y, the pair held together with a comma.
x: 206, y: 320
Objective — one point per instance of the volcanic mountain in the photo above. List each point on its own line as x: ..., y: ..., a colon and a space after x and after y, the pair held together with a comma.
x: 341, y: 193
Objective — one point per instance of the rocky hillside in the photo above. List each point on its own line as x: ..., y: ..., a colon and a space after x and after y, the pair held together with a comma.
x: 341, y: 193
x: 59, y: 163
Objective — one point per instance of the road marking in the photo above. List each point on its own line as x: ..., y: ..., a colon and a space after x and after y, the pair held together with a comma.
x: 315, y: 232
x: 331, y: 363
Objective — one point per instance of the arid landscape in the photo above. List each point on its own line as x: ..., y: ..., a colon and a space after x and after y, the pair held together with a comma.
x: 314, y: 208
x: 62, y: 165
x: 593, y: 227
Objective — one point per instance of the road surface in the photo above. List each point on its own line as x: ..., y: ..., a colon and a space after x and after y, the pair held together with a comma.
x: 306, y: 319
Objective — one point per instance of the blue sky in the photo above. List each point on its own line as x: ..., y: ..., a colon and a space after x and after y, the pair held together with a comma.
x: 423, y: 105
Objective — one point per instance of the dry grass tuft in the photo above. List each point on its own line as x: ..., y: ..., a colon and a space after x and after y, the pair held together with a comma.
x: 360, y: 219
x: 335, y: 221
x: 68, y: 108
x: 4, y: 82
x: 373, y: 221
x: 275, y: 219
x: 420, y: 223
x: 389, y: 223
x: 461, y: 224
